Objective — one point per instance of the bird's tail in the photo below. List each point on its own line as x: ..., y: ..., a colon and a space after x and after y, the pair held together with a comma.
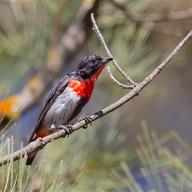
x: 30, y: 158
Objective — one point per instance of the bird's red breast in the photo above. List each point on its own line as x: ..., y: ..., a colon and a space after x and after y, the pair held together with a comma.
x: 42, y: 133
x: 85, y: 88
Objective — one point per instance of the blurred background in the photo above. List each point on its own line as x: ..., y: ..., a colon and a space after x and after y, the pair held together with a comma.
x: 143, y: 146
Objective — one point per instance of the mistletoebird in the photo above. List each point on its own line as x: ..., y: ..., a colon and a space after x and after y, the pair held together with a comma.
x: 68, y: 98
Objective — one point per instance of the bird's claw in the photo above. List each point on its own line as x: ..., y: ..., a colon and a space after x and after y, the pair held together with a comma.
x: 41, y: 142
x: 68, y: 129
x: 52, y: 128
x: 88, y: 121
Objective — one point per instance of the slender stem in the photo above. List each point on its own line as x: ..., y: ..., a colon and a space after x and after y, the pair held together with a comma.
x: 117, y: 82
x: 99, y: 35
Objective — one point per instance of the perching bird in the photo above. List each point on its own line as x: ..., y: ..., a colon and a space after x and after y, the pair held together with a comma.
x: 67, y: 99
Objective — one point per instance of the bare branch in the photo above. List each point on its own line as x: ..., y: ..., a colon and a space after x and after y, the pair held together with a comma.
x: 154, y: 17
x: 99, y: 35
x: 160, y: 17
x: 40, y: 143
x: 117, y: 82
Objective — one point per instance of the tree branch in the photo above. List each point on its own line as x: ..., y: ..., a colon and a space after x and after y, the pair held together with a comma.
x: 154, y: 17
x: 101, y: 39
x: 117, y: 82
x: 40, y: 143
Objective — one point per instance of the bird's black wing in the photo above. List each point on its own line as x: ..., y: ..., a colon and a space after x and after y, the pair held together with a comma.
x: 62, y: 84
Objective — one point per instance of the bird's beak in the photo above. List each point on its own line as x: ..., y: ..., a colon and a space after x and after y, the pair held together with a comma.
x: 106, y: 59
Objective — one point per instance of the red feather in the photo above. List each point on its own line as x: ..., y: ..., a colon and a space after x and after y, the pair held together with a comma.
x: 85, y: 88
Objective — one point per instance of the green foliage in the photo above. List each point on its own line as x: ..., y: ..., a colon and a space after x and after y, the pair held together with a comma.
x: 26, y: 37
x: 83, y: 164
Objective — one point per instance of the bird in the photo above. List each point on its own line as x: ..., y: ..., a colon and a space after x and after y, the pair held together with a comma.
x: 66, y: 100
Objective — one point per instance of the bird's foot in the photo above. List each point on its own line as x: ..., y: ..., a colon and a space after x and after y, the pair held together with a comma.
x: 53, y: 128
x: 88, y: 121
x: 68, y: 129
x: 42, y: 142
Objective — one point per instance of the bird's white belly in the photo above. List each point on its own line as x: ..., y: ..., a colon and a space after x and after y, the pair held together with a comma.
x: 62, y: 109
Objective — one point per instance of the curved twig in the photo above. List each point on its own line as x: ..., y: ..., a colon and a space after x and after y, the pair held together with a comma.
x: 98, y: 33
x: 117, y: 82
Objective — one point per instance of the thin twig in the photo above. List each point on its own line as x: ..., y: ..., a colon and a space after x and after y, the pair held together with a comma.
x: 40, y: 143
x: 117, y: 82
x: 98, y: 33
x: 154, y: 17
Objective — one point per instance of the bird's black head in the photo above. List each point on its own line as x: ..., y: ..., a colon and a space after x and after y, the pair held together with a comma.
x: 92, y: 65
